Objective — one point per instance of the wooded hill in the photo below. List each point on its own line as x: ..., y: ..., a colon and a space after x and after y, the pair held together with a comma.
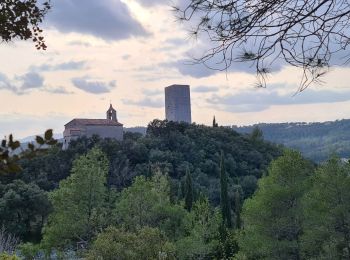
x: 316, y: 141
x: 168, y: 147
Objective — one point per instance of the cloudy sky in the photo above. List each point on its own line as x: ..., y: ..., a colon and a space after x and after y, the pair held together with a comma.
x: 125, y: 52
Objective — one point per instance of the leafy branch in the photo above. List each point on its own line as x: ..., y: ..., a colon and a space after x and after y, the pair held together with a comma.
x: 11, y: 151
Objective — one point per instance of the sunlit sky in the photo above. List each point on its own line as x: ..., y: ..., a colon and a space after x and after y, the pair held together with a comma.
x: 126, y: 52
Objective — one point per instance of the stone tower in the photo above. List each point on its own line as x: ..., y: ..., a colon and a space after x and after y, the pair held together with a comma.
x: 178, y: 103
x: 111, y: 114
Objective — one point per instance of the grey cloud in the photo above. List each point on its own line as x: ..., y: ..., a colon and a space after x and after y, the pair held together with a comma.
x: 31, y: 80
x: 259, y: 100
x: 65, y: 66
x: 193, y: 70
x: 79, y: 43
x: 58, y: 90
x: 110, y: 20
x: 205, y: 89
x: 112, y: 83
x: 24, y: 84
x: 94, y: 87
x: 149, y: 3
x: 146, y: 102
x: 189, y: 67
x: 5, y: 83
x: 126, y: 56
x: 175, y: 41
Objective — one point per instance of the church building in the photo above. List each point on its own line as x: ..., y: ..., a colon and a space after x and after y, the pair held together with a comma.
x: 105, y: 128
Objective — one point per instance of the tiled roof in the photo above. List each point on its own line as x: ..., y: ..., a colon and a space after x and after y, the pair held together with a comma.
x: 82, y: 121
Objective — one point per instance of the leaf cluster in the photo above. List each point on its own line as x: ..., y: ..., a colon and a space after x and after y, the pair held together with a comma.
x: 21, y: 20
x: 10, y: 156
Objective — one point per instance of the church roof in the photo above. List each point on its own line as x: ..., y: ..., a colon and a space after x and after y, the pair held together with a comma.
x: 82, y: 121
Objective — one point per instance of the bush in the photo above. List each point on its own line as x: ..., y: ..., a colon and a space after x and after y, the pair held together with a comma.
x: 5, y: 256
x: 29, y: 250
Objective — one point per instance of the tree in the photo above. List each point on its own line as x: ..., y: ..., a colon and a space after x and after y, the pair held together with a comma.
x: 237, y: 203
x: 78, y: 202
x: 304, y: 34
x: 21, y: 19
x: 327, y: 213
x: 137, y: 205
x: 257, y: 134
x: 146, y: 243
x: 215, y: 124
x: 147, y: 203
x: 272, y: 218
x: 224, y: 198
x: 202, y: 239
x: 23, y: 209
x: 188, y: 191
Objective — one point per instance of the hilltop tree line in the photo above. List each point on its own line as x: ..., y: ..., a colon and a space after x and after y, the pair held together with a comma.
x: 156, y: 197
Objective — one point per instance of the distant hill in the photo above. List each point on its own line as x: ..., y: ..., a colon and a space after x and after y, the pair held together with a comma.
x: 316, y: 141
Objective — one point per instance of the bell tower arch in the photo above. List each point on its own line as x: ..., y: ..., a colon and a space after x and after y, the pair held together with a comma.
x: 111, y: 113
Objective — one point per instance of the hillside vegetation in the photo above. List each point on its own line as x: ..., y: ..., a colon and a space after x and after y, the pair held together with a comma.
x: 168, y: 147
x: 316, y: 141
x: 179, y: 192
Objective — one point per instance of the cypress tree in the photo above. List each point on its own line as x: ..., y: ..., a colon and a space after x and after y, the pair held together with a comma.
x: 238, y: 209
x: 188, y: 191
x: 224, y: 199
x: 214, y: 123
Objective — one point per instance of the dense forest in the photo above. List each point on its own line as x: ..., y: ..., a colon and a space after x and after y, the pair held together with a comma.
x: 188, y: 158
x: 316, y: 141
x: 179, y: 192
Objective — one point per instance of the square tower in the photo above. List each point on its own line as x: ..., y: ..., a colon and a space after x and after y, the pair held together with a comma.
x: 178, y: 103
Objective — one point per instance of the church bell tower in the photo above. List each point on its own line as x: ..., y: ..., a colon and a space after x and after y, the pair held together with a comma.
x: 111, y: 114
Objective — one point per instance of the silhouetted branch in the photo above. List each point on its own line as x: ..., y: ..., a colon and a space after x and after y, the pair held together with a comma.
x: 303, y: 33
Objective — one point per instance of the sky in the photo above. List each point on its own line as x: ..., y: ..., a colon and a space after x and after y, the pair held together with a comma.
x: 125, y: 52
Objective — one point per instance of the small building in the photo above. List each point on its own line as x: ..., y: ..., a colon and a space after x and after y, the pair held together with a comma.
x: 105, y: 128
x: 178, y: 103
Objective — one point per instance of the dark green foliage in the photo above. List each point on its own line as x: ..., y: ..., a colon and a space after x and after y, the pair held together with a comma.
x: 215, y: 124
x: 188, y: 191
x: 23, y: 209
x: 202, y: 237
x: 237, y: 209
x: 273, y: 217
x: 224, y: 198
x: 294, y: 214
x: 168, y: 147
x: 256, y: 134
x: 29, y: 251
x: 21, y: 19
x: 327, y: 213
